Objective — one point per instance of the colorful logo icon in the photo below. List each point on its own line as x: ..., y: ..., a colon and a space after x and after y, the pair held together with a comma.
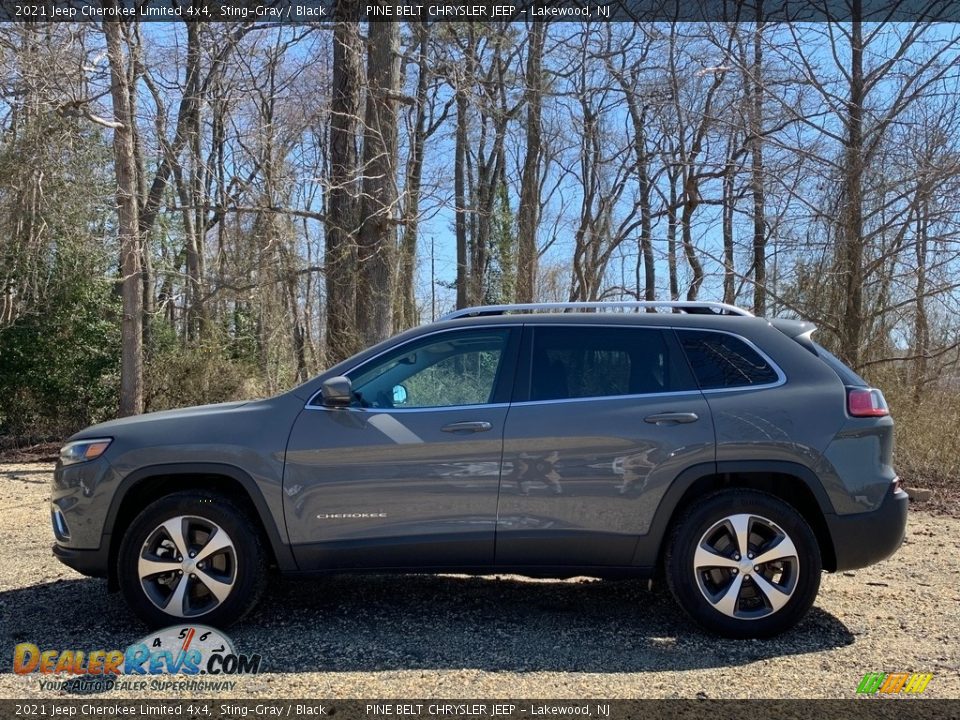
x: 894, y: 683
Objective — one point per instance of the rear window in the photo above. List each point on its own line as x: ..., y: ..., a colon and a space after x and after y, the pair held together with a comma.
x: 720, y: 361
x: 847, y: 376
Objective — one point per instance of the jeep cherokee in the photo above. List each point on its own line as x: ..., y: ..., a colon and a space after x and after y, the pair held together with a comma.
x: 731, y: 454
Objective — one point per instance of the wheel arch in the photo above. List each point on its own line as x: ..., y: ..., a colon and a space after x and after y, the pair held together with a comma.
x: 147, y: 484
x: 792, y: 483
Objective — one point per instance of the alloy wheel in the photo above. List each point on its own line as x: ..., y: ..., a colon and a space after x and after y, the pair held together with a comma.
x: 746, y: 566
x: 187, y: 566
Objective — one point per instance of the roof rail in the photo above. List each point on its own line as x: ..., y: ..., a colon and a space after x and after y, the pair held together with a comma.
x: 686, y: 306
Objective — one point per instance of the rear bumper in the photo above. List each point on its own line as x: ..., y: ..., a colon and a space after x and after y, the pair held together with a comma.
x: 866, y: 538
x: 92, y: 563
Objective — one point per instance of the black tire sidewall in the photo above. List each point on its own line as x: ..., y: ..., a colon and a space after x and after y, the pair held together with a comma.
x: 250, y: 558
x: 698, y: 519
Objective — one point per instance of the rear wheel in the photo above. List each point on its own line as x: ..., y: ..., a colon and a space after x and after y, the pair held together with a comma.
x: 192, y: 556
x: 743, y: 564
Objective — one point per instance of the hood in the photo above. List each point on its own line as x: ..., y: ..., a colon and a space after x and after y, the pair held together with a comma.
x: 112, y: 426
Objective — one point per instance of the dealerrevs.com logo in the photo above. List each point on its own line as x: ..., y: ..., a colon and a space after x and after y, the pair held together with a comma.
x: 192, y: 650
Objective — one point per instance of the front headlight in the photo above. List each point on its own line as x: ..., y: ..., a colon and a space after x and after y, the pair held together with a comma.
x: 80, y: 451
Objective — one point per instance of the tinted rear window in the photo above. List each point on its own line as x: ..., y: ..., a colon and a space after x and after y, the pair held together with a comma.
x: 581, y: 362
x: 724, y: 361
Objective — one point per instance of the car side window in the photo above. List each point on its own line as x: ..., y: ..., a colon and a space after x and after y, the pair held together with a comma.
x: 450, y: 369
x: 581, y: 362
x: 720, y: 360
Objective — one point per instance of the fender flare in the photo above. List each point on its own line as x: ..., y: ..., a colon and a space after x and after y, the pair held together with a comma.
x: 281, y: 549
x: 647, y: 553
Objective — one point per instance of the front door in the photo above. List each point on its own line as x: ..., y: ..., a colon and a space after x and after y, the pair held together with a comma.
x: 609, y: 417
x: 408, y: 476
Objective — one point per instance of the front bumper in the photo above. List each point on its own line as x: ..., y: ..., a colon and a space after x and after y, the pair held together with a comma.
x: 863, y: 539
x: 92, y: 563
x: 82, y: 493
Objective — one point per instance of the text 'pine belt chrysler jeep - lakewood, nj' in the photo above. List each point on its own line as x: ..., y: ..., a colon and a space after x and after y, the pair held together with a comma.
x: 729, y: 453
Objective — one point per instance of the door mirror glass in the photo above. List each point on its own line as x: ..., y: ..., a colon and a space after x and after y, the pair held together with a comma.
x: 337, y: 391
x: 399, y: 395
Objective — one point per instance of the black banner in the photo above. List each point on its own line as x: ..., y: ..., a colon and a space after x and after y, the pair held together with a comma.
x: 858, y: 709
x: 303, y: 11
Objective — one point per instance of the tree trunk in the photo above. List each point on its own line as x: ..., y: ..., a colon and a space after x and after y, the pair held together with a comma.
x: 646, y: 219
x: 691, y: 201
x: 528, y: 212
x: 406, y: 315
x: 921, y: 326
x: 852, y: 224
x: 638, y: 118
x: 755, y: 110
x: 378, y: 226
x: 191, y: 252
x: 672, y: 240
x: 491, y: 174
x: 460, y: 199
x: 136, y: 71
x: 729, y: 203
x: 195, y: 316
x: 131, y: 364
x: 340, y: 261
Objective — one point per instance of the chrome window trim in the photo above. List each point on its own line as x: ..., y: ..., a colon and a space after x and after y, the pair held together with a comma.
x: 599, y: 398
x: 459, y: 408
x: 479, y: 328
x: 781, y: 376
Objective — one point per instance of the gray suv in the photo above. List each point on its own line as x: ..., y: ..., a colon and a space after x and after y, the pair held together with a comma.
x: 731, y: 454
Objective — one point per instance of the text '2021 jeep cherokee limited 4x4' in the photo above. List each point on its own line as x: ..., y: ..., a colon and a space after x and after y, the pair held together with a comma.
x: 731, y: 453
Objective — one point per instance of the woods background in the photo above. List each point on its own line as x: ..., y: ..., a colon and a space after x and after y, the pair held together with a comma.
x: 192, y: 213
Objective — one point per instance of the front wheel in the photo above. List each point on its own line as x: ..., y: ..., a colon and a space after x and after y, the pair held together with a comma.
x: 743, y: 564
x: 192, y: 556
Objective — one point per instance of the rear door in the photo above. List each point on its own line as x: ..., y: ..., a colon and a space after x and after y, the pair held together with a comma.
x: 408, y: 476
x: 605, y: 419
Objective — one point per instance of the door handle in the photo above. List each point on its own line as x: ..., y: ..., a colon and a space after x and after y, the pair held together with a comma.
x: 672, y: 418
x: 467, y: 426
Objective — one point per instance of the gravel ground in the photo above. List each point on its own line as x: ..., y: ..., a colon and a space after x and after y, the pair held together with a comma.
x: 507, y: 637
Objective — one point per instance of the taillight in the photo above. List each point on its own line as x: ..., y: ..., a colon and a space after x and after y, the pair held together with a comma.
x: 866, y: 402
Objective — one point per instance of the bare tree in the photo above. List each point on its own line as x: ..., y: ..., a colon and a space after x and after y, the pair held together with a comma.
x: 879, y: 71
x: 429, y: 114
x: 641, y: 99
x: 693, y: 131
x: 528, y: 211
x: 605, y: 169
x: 406, y: 310
x: 131, y: 368
x: 342, y: 219
x: 853, y: 241
x: 379, y: 207
x: 753, y: 84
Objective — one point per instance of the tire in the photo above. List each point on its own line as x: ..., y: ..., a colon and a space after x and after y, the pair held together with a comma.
x: 722, y: 590
x: 229, y: 570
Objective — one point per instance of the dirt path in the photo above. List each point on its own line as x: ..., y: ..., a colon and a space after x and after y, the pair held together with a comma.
x: 452, y: 636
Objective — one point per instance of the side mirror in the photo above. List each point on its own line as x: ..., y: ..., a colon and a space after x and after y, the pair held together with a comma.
x: 399, y: 394
x: 337, y: 391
